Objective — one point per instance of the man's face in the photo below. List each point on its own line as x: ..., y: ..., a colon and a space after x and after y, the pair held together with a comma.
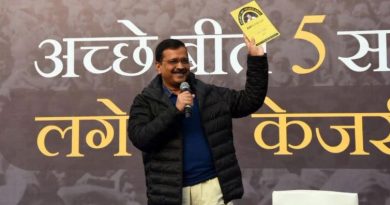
x: 174, y: 67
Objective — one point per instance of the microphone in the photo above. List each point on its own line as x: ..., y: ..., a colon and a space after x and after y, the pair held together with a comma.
x: 184, y: 86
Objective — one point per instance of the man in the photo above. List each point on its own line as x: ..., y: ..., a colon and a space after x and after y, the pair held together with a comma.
x: 191, y: 160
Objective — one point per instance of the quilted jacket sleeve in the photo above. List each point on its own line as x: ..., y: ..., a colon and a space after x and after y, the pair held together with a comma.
x: 146, y: 131
x: 250, y: 99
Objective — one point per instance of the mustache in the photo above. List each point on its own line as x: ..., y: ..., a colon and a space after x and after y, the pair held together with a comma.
x: 180, y: 70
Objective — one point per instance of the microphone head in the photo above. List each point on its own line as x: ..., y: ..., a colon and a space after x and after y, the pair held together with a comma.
x: 184, y: 86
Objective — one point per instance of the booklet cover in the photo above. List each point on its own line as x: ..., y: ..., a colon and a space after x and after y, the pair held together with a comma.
x: 254, y: 23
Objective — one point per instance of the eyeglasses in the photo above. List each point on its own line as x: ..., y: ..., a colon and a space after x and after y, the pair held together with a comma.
x: 176, y: 61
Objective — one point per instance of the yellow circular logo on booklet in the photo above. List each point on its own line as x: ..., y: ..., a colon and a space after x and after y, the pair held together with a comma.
x: 248, y: 14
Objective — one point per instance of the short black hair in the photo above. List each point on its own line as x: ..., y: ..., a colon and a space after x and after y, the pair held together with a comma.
x: 167, y: 44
